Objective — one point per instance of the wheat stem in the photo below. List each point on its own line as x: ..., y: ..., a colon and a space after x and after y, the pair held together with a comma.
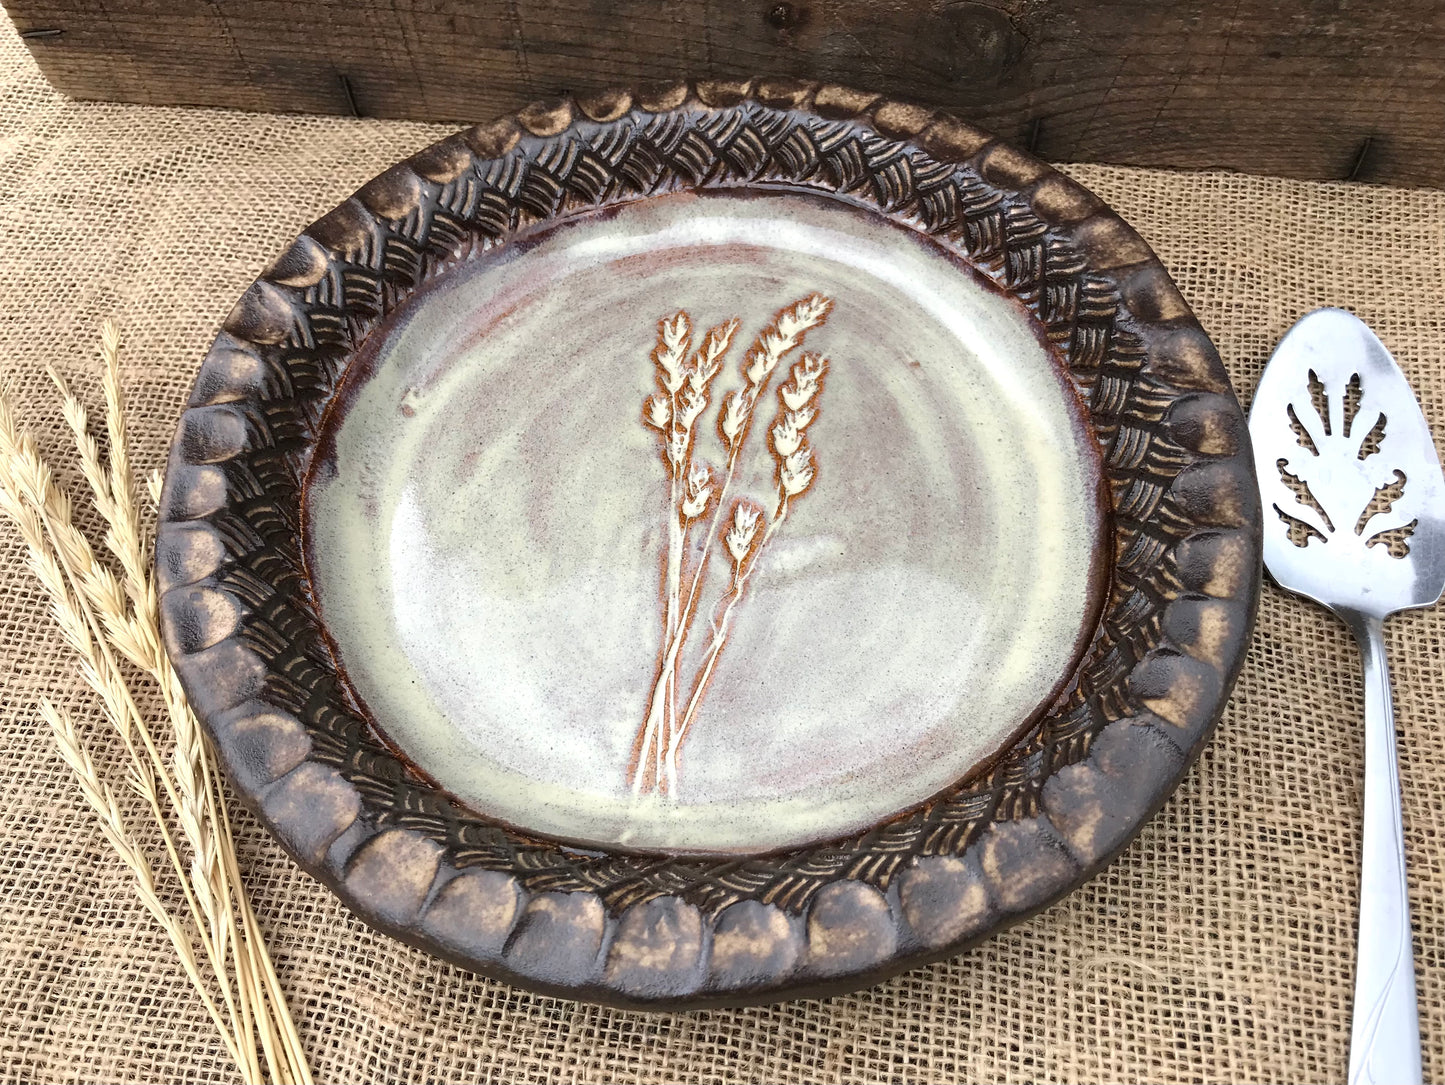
x: 720, y: 635
x: 199, y: 784
x: 674, y: 338
x: 292, y: 1058
x: 94, y: 592
x: 116, y: 502
x: 782, y: 336
x: 686, y: 507
x: 101, y: 674
x: 115, y: 497
x: 794, y: 472
x: 745, y: 559
x: 94, y: 611
x: 102, y: 802
x: 200, y: 900
x: 28, y: 486
x: 279, y: 1039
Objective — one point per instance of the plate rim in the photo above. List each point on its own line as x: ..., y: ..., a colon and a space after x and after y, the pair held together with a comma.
x: 343, y: 807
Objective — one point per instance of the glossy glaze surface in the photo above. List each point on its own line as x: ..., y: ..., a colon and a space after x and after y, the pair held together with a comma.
x: 642, y: 930
x: 488, y: 528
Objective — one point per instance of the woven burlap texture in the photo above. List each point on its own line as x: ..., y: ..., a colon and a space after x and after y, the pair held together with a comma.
x: 1219, y: 947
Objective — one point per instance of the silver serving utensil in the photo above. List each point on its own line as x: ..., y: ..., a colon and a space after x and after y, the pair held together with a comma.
x: 1354, y: 507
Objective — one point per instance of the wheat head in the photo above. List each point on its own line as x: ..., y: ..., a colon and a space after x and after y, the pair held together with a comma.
x: 97, y: 612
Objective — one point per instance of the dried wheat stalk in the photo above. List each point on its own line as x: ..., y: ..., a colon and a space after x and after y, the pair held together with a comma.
x: 674, y: 412
x: 101, y: 615
x: 794, y: 474
x: 112, y: 825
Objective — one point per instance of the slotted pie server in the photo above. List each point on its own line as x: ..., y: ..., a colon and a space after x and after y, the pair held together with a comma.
x: 1354, y: 509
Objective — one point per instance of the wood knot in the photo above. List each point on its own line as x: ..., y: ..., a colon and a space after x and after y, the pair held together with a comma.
x: 784, y: 16
x: 982, y: 40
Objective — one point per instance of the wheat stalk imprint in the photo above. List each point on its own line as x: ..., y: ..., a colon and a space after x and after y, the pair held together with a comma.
x: 699, y: 497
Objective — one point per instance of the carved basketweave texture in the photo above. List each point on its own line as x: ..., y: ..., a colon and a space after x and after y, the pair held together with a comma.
x: 642, y: 929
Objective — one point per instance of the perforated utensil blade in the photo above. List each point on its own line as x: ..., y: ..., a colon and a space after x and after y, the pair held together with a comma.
x: 1354, y: 507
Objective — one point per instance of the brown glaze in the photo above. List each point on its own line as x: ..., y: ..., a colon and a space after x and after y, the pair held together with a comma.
x: 1069, y: 795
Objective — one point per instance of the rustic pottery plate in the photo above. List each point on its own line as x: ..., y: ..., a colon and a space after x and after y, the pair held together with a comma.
x: 711, y: 545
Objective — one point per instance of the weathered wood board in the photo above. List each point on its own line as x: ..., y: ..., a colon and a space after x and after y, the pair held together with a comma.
x: 1320, y: 88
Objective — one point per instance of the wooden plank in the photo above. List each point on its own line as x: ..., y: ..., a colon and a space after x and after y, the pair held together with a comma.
x: 1289, y: 89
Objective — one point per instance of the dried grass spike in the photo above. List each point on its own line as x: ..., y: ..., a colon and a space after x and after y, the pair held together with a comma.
x: 783, y: 335
x: 788, y: 431
x: 810, y: 368
x: 655, y: 750
x: 708, y: 361
x: 760, y: 362
x: 122, y: 478
x: 656, y: 412
x: 699, y: 491
x: 113, y: 826
x: 677, y: 448
x: 103, y: 617
x: 693, y: 404
x: 673, y: 338
x: 796, y: 472
x: 733, y: 418
x: 803, y: 315
x: 743, y: 531
x: 806, y: 379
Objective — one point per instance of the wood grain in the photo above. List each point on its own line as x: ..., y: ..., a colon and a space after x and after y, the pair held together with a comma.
x: 1320, y: 89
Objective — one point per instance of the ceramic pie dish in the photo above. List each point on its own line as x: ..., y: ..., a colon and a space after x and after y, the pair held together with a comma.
x: 709, y: 545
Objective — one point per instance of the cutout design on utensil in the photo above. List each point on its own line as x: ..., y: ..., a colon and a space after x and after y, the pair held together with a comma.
x: 1352, y: 402
x: 1301, y: 434
x: 674, y: 411
x: 1330, y: 455
x: 1371, y: 444
x: 1300, y: 532
x: 1394, y: 538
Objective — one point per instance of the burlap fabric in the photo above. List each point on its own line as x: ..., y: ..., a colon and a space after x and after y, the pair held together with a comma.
x: 1218, y: 948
